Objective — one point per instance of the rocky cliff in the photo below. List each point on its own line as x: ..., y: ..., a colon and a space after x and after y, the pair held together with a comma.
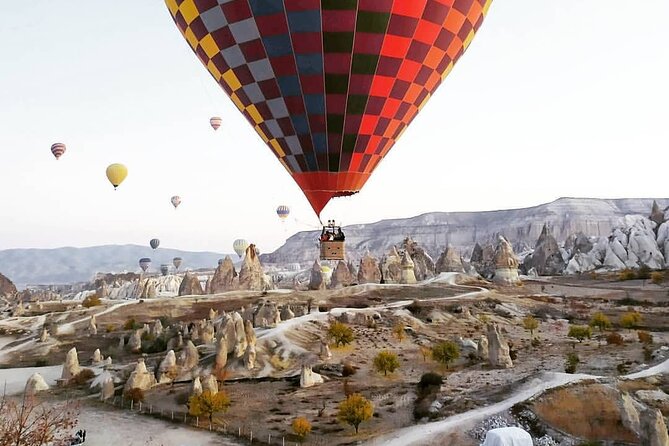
x: 436, y: 230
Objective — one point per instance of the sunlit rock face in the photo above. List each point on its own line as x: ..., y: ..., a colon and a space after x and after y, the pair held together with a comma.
x: 547, y: 257
x: 506, y: 263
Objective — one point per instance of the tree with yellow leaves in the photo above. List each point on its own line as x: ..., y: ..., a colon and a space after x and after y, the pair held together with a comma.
x: 208, y: 403
x: 354, y: 410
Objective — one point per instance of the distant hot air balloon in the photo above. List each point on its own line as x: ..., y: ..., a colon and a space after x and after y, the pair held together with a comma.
x: 144, y: 263
x: 283, y: 212
x: 58, y: 149
x: 176, y: 201
x: 164, y: 269
x: 154, y: 243
x: 240, y: 246
x: 116, y: 173
x: 177, y: 262
x: 330, y: 85
x: 215, y: 122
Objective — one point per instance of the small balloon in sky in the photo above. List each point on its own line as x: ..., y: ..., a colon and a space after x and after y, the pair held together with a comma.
x: 58, y: 149
x: 116, y: 173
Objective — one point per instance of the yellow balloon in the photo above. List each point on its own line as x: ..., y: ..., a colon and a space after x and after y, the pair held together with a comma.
x: 116, y: 173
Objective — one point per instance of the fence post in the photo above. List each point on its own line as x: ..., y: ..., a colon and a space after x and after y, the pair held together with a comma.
x: 140, y: 406
x: 132, y: 404
x: 210, y: 426
x: 185, y: 415
x: 251, y: 436
x: 239, y: 431
x: 197, y: 421
x: 283, y: 441
x: 172, y: 415
x: 151, y: 409
x: 269, y: 439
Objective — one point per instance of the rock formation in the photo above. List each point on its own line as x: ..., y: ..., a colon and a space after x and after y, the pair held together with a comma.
x: 341, y: 277
x: 482, y: 348
x: 316, y: 281
x: 250, y: 333
x: 221, y: 353
x: 224, y: 278
x: 483, y: 260
x: 135, y: 341
x: 547, y: 258
x: 190, y: 285
x: 71, y: 366
x: 213, y: 314
x: 653, y: 428
x: 189, y: 357
x: 148, y: 289
x: 423, y: 263
x: 121, y: 342
x: 97, y: 357
x: 107, y: 391
x: 656, y: 214
x: 168, y: 369
x: 250, y: 357
x: 251, y: 275
x: 408, y: 273
x: 325, y: 350
x: 140, y: 378
x: 44, y: 335
x: 209, y: 383
x: 449, y: 261
x: 391, y: 267
x: 157, y: 328
x: 287, y: 313
x: 196, y: 386
x: 368, y: 271
x: 7, y: 288
x: 207, y: 335
x: 506, y: 263
x: 92, y: 326
x: 498, y: 349
x: 35, y: 384
x: 240, y: 335
x: 309, y: 378
x: 176, y: 342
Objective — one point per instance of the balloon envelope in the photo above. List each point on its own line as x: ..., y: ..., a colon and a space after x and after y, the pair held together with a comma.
x: 116, y: 173
x: 58, y: 149
x: 329, y: 85
x: 144, y: 263
x: 164, y: 269
x: 176, y: 201
x: 215, y: 122
x: 154, y: 243
x: 283, y: 212
x: 177, y: 262
x: 240, y: 246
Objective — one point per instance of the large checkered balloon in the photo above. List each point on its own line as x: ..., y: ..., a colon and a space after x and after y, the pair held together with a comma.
x: 329, y: 85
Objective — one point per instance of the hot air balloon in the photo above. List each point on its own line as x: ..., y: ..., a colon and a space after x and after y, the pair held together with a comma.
x: 240, y: 246
x: 177, y: 262
x: 283, y: 212
x: 58, y: 149
x: 215, y: 122
x: 116, y: 173
x: 154, y: 243
x: 329, y: 85
x: 164, y: 269
x: 176, y: 201
x: 144, y: 263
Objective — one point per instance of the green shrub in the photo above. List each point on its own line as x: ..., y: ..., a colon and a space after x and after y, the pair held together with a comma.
x: 626, y: 274
x: 614, y: 338
x: 571, y: 362
x: 91, y: 301
x: 580, y: 332
x: 82, y: 377
x: 631, y: 319
x: 131, y: 324
x: 445, y: 352
x: 341, y: 334
x: 657, y: 277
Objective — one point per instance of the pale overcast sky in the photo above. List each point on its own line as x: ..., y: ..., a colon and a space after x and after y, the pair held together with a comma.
x: 553, y: 98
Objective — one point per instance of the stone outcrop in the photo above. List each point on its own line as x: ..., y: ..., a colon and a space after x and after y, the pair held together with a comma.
x: 391, y: 267
x: 449, y: 261
x: 408, y: 273
x: 135, y: 341
x: 196, y: 386
x: 240, y: 335
x: 97, y: 357
x: 250, y: 357
x: 316, y: 280
x: 121, y: 342
x: 368, y: 271
x: 498, y: 349
x: 176, y: 342
x: 653, y: 428
x: 207, y: 334
x: 547, y: 258
x: 35, y: 384
x: 251, y: 275
x: 107, y: 391
x: 209, y: 383
x: 483, y: 260
x: 221, y: 353
x: 168, y: 369
x: 250, y: 333
x: 189, y: 357
x: 140, y: 378
x: 309, y: 378
x: 71, y: 366
x: 266, y: 315
x: 157, y: 328
x: 7, y: 288
x: 148, y: 289
x: 656, y: 214
x: 286, y: 313
x: 482, y: 348
x: 190, y: 285
x: 341, y: 277
x: 213, y: 314
x: 224, y: 278
x: 506, y: 263
x: 44, y: 335
x: 423, y: 264
x: 92, y: 326
x: 325, y: 350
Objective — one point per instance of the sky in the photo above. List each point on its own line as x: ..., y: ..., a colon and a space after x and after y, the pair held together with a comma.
x: 552, y: 99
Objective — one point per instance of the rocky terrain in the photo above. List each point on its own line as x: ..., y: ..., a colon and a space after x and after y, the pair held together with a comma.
x: 462, y: 230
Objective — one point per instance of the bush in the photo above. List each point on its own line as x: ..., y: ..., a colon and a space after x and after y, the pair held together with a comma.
x: 445, y: 352
x: 571, y: 362
x: 301, y: 427
x: 135, y: 394
x: 82, y: 377
x: 340, y: 333
x: 354, y: 410
x: 385, y: 362
x: 536, y: 342
x: 644, y: 337
x: 614, y: 338
x: 643, y: 273
x: 399, y: 332
x: 131, y: 324
x: 348, y: 370
x: 657, y: 277
x: 601, y: 321
x: 158, y: 345
x: 530, y: 324
x: 631, y: 319
x: 426, y: 352
x: 91, y: 301
x: 430, y: 379
x: 626, y: 274
x: 647, y: 352
x: 580, y: 332
x: 110, y: 328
